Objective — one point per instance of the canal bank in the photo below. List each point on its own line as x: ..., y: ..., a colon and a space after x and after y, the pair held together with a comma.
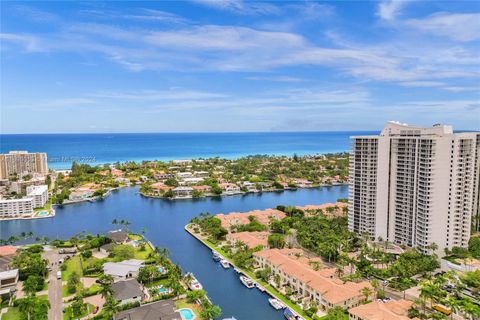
x: 164, y: 222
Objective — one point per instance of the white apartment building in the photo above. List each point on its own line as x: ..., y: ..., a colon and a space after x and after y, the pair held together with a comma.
x: 39, y: 194
x: 415, y: 186
x: 22, y: 162
x: 16, y: 208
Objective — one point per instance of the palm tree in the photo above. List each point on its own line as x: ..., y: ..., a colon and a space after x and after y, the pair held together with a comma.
x: 30, y: 286
x: 114, y: 221
x: 111, y: 306
x: 453, y: 303
x: 27, y: 306
x: 367, y: 292
x: 470, y: 309
x: 375, y: 284
x: 106, y: 286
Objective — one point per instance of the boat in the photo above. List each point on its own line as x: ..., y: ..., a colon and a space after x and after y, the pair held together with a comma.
x: 276, y: 304
x: 232, y: 318
x: 237, y: 270
x: 194, y: 284
x: 247, y: 282
x: 225, y: 263
x: 289, y: 314
x: 216, y: 256
x: 259, y: 287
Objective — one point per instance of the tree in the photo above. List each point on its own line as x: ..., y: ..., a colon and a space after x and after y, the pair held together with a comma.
x: 123, y: 252
x: 276, y: 240
x: 33, y: 308
x: 111, y: 306
x: 195, y: 295
x: 30, y: 286
x: 78, y: 306
x: 336, y: 313
x: 106, y: 286
x: 474, y: 246
x: 210, y: 312
x: 366, y: 292
x: 73, y: 282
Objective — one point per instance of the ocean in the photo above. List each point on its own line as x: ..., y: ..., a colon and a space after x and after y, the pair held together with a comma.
x: 63, y: 149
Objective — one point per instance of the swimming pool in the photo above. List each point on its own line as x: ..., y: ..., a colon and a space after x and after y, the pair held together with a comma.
x: 161, y: 269
x: 187, y: 314
x: 162, y: 290
x: 43, y: 213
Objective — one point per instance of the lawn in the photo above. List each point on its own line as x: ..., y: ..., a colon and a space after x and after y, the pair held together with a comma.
x: 74, y: 264
x: 13, y: 313
x: 68, y: 312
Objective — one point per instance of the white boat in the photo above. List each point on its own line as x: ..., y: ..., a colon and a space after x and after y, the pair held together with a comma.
x: 259, y: 287
x: 225, y: 263
x: 194, y: 283
x: 247, y: 282
x: 276, y: 304
x: 216, y: 256
x: 237, y: 270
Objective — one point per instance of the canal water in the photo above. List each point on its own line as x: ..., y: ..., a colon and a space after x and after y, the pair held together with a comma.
x: 164, y: 221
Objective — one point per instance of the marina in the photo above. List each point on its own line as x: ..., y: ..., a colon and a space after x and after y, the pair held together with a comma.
x: 165, y: 221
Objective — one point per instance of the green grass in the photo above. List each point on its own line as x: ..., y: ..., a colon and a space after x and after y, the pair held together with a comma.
x: 13, y: 313
x: 268, y: 287
x: 73, y: 264
x: 132, y: 236
x: 68, y: 313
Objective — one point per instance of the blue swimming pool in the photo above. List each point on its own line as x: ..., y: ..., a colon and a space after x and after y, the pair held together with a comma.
x: 187, y: 314
x: 43, y: 213
x: 161, y: 269
x: 162, y: 290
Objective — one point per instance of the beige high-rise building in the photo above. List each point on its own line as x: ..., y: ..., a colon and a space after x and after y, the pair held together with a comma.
x: 415, y: 186
x: 21, y: 162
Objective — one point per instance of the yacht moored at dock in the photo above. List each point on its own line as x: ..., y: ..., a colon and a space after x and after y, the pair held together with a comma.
x: 216, y: 256
x: 260, y: 287
x: 194, y: 284
x: 247, y: 282
x: 225, y: 263
x: 275, y: 303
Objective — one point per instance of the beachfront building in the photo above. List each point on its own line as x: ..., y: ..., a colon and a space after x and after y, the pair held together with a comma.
x: 16, y: 208
x: 379, y: 310
x: 307, y: 284
x: 415, y: 186
x: 39, y: 194
x: 22, y: 162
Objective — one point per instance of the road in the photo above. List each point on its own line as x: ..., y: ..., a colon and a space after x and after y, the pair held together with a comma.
x: 54, y: 286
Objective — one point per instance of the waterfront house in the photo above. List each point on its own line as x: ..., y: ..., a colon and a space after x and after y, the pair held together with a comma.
x: 307, y: 283
x: 250, y: 239
x: 123, y: 270
x: 117, y: 236
x: 127, y: 291
x: 303, y: 183
x: 160, y: 188
x: 241, y: 218
x: 229, y: 188
x: 158, y: 310
x: 203, y: 188
x: 182, y: 192
x: 378, y: 310
x: 191, y: 181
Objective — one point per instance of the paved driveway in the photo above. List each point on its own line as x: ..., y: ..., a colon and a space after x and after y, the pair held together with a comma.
x: 54, y: 285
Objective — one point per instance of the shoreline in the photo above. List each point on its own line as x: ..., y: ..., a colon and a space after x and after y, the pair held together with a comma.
x: 268, y: 289
x: 242, y: 192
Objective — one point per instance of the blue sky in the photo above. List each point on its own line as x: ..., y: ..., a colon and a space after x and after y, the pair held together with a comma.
x: 232, y: 65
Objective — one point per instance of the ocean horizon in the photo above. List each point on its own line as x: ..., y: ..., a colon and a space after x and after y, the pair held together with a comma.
x: 101, y: 148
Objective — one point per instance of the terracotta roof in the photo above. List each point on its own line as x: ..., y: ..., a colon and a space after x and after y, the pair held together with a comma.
x: 7, y: 250
x: 251, y: 239
x: 161, y: 186
x: 376, y: 310
x: 237, y: 218
x: 201, y: 187
x: 338, y: 212
x: 292, y: 263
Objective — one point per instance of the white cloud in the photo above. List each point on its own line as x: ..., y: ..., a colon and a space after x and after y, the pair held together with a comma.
x: 389, y: 9
x: 456, y: 26
x: 241, y: 7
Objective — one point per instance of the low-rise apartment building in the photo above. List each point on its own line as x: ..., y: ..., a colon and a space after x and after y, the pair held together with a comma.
x: 241, y: 218
x: 39, y: 194
x: 16, y: 208
x: 321, y: 286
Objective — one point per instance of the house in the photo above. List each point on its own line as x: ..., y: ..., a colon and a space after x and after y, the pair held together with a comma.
x: 160, y: 188
x: 107, y: 248
x: 123, y: 270
x: 118, y: 236
x: 163, y: 176
x: 297, y: 272
x: 378, y: 310
x: 116, y: 172
x: 229, y: 188
x: 191, y: 181
x: 241, y: 218
x: 127, y: 291
x: 201, y: 174
x: 250, y: 239
x: 303, y: 183
x: 204, y: 189
x: 8, y: 279
x: 7, y: 253
x: 183, y: 175
x: 158, y: 310
x: 182, y: 192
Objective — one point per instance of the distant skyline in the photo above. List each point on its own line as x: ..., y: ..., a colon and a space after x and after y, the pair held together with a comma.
x: 234, y: 66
